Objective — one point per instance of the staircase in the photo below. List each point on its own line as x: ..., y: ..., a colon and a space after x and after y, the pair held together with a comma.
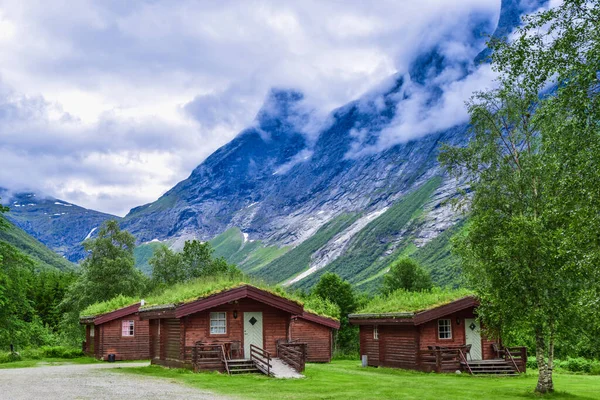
x: 490, y: 367
x: 242, y: 366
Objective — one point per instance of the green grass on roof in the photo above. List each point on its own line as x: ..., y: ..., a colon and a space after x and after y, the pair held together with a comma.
x: 108, y: 306
x: 204, y: 287
x: 403, y: 301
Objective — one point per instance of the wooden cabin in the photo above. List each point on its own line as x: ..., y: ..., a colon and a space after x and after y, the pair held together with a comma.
x: 442, y: 338
x: 241, y: 323
x: 120, y: 332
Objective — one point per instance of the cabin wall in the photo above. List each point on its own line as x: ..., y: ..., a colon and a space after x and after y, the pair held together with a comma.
x: 429, y: 334
x: 368, y: 345
x: 317, y: 337
x: 398, y: 346
x: 275, y: 325
x: 110, y: 341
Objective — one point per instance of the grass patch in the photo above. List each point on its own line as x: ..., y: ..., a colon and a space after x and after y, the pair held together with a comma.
x: 113, y: 304
x: 412, y: 302
x: 345, y: 379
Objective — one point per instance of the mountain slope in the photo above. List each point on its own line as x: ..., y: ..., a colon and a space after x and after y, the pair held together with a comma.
x: 43, y: 257
x: 60, y: 225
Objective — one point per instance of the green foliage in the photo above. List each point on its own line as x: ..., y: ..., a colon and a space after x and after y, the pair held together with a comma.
x: 196, y: 261
x: 113, y: 304
x: 320, y: 306
x: 533, y: 243
x: 39, y: 353
x: 408, y: 275
x: 142, y: 255
x: 299, y: 258
x: 333, y: 288
x: 402, y: 301
x: 108, y: 271
x: 369, y: 251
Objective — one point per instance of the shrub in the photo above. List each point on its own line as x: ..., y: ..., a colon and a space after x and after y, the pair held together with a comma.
x: 10, y: 357
x: 61, y: 352
x: 576, y: 365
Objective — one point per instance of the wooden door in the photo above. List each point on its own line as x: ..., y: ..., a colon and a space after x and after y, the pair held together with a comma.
x: 253, y: 331
x: 473, y: 337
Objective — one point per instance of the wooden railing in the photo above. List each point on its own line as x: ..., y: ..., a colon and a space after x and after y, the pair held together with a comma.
x: 464, y: 360
x: 261, y: 358
x: 517, y: 356
x: 208, y: 356
x: 293, y: 354
x: 440, y: 360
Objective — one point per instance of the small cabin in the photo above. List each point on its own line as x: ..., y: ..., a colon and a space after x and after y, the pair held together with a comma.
x: 222, y: 329
x: 120, y: 333
x: 442, y: 338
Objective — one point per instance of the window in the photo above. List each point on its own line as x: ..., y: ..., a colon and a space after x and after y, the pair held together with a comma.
x: 376, y: 332
x: 92, y: 333
x: 218, y: 323
x: 127, y: 328
x: 444, y: 329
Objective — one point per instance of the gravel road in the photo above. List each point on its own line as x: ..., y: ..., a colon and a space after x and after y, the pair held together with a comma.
x: 91, y: 381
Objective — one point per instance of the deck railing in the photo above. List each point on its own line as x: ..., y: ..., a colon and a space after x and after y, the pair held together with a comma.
x: 440, y: 360
x: 517, y: 356
x: 293, y: 354
x: 208, y: 356
x: 261, y: 358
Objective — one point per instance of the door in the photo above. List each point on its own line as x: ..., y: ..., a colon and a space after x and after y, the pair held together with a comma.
x: 253, y: 331
x: 473, y: 337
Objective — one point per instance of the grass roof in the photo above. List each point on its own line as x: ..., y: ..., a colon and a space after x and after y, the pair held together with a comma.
x: 402, y: 301
x: 203, y: 287
x: 107, y: 306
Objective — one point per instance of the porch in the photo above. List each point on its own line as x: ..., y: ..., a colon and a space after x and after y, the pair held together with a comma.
x: 508, y: 361
x: 226, y: 356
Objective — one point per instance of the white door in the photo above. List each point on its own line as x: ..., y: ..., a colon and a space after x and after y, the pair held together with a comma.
x: 473, y: 337
x: 253, y: 331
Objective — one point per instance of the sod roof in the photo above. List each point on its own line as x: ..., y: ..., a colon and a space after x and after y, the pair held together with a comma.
x: 406, y: 304
x: 188, y: 292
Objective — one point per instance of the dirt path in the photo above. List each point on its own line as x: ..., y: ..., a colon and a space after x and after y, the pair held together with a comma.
x: 91, y: 381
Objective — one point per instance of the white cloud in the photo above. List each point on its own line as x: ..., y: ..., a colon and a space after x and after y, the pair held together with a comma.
x: 111, y: 103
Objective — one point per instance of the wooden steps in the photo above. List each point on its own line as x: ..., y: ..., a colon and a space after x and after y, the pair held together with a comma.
x: 490, y: 367
x: 242, y: 366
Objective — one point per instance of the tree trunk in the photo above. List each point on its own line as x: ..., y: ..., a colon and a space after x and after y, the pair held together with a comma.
x: 544, y: 384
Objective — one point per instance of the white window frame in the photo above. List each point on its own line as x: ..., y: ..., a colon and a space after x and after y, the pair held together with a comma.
x: 220, y: 323
x: 447, y: 325
x: 128, y: 328
x: 376, y: 332
x: 92, y: 331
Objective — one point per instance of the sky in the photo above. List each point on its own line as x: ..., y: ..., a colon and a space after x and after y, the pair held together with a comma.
x: 108, y: 104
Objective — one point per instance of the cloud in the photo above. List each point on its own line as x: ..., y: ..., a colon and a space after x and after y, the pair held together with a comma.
x: 111, y: 103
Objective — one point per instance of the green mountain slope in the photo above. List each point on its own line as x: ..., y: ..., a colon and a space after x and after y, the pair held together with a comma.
x: 42, y: 255
x: 298, y: 259
x: 143, y: 253
x: 248, y: 255
x: 382, y: 240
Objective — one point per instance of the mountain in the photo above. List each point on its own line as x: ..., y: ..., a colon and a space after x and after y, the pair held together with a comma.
x: 60, y: 225
x: 295, y: 195
x: 43, y: 257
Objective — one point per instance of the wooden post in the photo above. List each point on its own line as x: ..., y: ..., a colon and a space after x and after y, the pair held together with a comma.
x: 438, y: 361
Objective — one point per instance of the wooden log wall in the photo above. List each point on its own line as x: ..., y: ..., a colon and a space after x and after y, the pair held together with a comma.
x: 317, y: 337
x: 109, y: 340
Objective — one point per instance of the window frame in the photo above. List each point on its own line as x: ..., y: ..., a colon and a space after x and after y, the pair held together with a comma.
x: 449, y: 326
x: 225, y: 327
x: 130, y: 328
x: 92, y: 331
x: 375, y: 332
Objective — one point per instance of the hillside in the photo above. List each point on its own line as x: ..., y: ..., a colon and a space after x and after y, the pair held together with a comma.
x: 59, y: 225
x: 43, y: 257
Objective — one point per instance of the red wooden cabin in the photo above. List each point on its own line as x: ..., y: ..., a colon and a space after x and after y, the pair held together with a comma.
x: 446, y: 338
x: 120, y: 332
x: 216, y: 331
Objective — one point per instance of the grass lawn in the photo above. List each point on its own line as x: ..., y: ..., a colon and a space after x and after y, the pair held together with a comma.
x: 347, y: 380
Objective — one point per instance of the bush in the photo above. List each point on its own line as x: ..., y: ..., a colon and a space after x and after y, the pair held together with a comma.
x: 9, y: 357
x: 61, y: 352
x: 576, y: 365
